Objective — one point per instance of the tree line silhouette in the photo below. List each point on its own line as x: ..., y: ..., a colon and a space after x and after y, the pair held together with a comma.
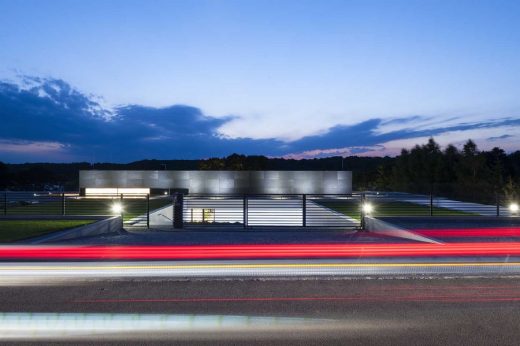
x: 466, y: 174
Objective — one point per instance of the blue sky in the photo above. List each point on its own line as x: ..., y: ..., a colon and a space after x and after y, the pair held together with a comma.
x: 190, y: 79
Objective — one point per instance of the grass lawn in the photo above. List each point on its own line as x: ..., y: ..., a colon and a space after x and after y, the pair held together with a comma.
x: 12, y: 230
x: 390, y: 208
x: 133, y: 207
x: 349, y: 208
x: 398, y: 208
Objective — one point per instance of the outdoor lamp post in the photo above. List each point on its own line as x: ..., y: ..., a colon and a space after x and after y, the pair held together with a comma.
x: 514, y: 208
x: 367, y: 208
x: 117, y: 208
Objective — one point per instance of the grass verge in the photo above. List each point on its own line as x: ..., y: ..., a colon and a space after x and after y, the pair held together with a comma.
x: 13, y: 230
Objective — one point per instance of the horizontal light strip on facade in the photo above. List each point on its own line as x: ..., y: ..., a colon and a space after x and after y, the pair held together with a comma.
x: 116, y: 191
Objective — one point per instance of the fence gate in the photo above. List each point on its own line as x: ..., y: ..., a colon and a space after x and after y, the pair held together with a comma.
x: 251, y: 211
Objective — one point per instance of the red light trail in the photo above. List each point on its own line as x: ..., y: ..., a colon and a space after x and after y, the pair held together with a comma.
x: 278, y: 251
x: 471, y: 232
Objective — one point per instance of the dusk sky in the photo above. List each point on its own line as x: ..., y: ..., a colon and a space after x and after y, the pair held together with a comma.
x: 127, y: 80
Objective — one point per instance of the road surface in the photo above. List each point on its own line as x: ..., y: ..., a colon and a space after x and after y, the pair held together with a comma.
x: 391, y: 311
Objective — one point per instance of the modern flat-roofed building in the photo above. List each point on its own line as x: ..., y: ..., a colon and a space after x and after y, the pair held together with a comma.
x: 252, y: 198
x: 215, y: 182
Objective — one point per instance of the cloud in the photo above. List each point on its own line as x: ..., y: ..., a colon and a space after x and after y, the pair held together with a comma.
x: 19, y: 147
x: 348, y: 151
x: 47, y: 119
x: 457, y: 137
x: 54, y: 112
x: 12, y: 150
x: 497, y: 138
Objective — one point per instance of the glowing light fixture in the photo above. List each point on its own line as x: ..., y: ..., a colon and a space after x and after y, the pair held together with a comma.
x: 116, y: 191
x: 368, y: 208
x: 513, y: 208
x: 117, y: 208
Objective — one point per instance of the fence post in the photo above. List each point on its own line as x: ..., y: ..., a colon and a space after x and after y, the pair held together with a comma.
x: 245, y: 210
x: 304, y: 209
x: 497, y: 198
x: 431, y: 204
x: 63, y: 203
x: 121, y: 201
x: 178, y: 210
x: 148, y: 210
x: 5, y: 202
x: 362, y: 221
x: 172, y: 196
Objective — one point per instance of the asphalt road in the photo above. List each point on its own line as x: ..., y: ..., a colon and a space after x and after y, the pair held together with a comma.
x: 354, y: 311
x: 230, y: 235
x: 452, y: 222
x: 49, y: 273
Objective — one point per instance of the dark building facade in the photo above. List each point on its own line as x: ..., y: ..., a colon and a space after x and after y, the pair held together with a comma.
x: 216, y: 182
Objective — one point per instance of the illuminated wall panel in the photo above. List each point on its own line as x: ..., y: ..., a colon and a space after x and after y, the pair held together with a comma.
x: 116, y: 191
x: 223, y: 182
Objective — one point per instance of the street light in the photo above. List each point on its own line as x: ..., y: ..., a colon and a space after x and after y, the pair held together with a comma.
x: 513, y: 208
x: 368, y: 208
x: 117, y: 208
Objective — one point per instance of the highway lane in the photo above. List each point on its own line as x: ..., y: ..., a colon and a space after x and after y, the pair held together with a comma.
x: 425, y: 310
x: 12, y: 273
x: 365, y: 300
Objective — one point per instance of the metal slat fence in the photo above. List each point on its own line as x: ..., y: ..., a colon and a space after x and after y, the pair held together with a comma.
x: 133, y: 208
x: 404, y: 204
x: 244, y: 210
x: 273, y: 210
x: 33, y: 203
x: 248, y: 211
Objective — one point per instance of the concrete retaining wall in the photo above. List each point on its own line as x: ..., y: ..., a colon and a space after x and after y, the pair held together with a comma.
x: 54, y: 217
x: 110, y: 225
x: 381, y: 227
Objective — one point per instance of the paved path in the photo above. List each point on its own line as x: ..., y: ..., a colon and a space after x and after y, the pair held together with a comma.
x: 452, y: 222
x: 233, y: 235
